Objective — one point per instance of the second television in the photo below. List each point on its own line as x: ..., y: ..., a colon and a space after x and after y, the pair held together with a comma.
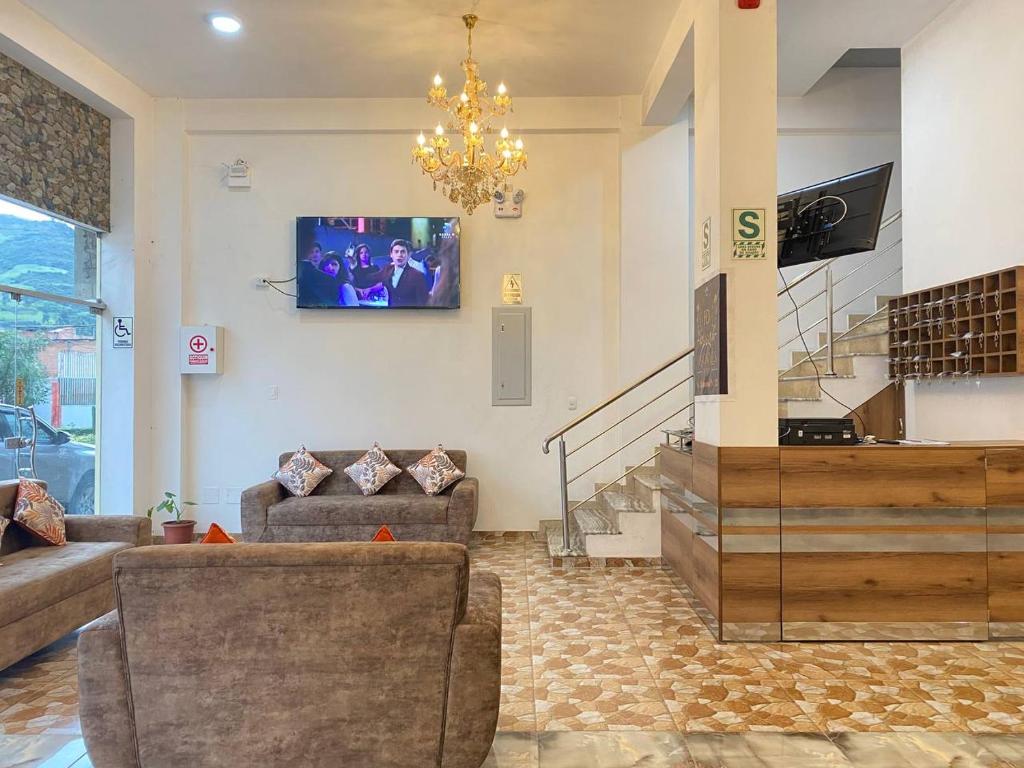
x: 352, y: 262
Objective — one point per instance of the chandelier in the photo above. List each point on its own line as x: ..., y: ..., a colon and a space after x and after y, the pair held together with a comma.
x: 471, y: 176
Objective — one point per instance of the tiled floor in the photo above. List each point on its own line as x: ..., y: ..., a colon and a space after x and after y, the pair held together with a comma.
x: 611, y: 667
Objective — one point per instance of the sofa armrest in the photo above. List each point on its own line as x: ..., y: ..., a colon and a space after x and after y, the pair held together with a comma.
x: 255, y: 503
x: 474, y: 683
x: 462, y: 509
x: 137, y: 531
x: 104, y: 709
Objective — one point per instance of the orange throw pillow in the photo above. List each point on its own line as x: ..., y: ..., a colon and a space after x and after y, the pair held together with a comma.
x: 217, y: 535
x: 383, y: 534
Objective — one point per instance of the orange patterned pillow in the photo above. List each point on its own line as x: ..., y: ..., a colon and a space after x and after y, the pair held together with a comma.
x: 383, y: 534
x: 435, y: 471
x: 4, y: 522
x: 373, y: 470
x: 302, y: 473
x: 217, y: 535
x: 39, y: 513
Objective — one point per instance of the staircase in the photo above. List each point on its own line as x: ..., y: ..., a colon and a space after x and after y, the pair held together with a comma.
x: 619, y: 523
x: 860, y: 355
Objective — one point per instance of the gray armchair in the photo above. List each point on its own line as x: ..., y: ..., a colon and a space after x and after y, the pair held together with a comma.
x: 326, y: 654
x: 338, y: 511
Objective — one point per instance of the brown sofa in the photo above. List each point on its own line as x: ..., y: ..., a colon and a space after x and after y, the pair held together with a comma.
x: 338, y: 511
x: 46, y: 592
x: 293, y: 655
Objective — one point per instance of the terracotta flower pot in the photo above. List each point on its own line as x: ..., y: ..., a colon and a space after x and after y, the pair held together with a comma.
x: 179, y: 531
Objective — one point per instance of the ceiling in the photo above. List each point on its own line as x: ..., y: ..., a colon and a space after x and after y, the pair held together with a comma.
x: 368, y: 48
x: 391, y: 48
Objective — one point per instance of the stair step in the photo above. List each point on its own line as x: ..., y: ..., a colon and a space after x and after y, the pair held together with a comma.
x: 552, y: 531
x: 596, y: 521
x: 815, y: 378
x: 619, y: 503
x: 649, y: 477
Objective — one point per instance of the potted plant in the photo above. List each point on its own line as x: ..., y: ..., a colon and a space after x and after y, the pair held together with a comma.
x: 176, y: 531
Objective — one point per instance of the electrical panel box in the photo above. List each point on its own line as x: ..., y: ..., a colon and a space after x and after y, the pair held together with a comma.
x: 201, y: 349
x: 511, y: 339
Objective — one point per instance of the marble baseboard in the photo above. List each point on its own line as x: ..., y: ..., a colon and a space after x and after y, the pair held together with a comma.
x: 833, y: 631
x: 1006, y: 630
x: 759, y: 632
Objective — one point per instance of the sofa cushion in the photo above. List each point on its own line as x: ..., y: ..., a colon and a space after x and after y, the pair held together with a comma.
x: 302, y: 473
x: 372, y: 471
x: 360, y: 510
x: 39, y: 513
x: 37, y: 577
x: 340, y: 483
x: 435, y: 471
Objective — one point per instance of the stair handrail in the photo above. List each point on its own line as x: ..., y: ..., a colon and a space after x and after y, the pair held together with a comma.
x: 615, y: 398
x: 829, y: 292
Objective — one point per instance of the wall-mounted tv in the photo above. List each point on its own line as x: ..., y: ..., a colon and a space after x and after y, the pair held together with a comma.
x: 361, y: 262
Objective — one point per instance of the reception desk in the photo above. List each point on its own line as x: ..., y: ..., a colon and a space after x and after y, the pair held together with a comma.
x: 849, y: 542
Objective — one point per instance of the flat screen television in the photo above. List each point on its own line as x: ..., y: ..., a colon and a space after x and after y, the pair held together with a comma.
x: 833, y: 218
x: 362, y: 262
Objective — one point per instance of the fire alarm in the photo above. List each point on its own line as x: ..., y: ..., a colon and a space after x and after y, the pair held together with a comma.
x: 749, y: 4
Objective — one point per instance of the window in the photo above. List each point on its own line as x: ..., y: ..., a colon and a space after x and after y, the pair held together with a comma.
x: 48, y: 352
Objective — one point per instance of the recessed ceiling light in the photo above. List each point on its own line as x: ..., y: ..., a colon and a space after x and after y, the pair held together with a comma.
x: 221, y: 22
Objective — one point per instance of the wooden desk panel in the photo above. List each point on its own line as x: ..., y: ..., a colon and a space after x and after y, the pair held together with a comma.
x: 1005, y: 490
x: 882, y: 476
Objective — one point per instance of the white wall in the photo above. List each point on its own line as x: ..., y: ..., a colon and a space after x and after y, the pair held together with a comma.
x: 850, y: 120
x: 655, y: 310
x: 962, y: 108
x: 409, y: 379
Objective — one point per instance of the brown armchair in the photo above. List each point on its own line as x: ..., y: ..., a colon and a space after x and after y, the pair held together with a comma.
x: 310, y: 655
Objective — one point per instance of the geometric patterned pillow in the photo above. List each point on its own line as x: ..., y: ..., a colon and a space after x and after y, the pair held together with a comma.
x: 372, y: 471
x: 435, y: 471
x: 39, y: 513
x: 302, y: 473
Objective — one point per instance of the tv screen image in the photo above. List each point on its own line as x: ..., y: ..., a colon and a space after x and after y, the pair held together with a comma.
x: 361, y: 262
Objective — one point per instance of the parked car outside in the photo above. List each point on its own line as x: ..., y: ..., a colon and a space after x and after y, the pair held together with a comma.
x: 68, y: 467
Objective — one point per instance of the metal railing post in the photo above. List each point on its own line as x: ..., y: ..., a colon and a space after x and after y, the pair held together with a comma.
x: 830, y: 361
x: 564, y: 488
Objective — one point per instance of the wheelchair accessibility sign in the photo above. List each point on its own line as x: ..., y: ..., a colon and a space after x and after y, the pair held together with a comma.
x: 124, y: 332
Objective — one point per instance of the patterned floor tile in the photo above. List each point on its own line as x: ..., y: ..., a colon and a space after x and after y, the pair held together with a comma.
x: 589, y: 659
x: 722, y: 705
x: 977, y: 705
x: 853, y: 705
x: 821, y: 661
x: 601, y: 705
x: 517, y: 710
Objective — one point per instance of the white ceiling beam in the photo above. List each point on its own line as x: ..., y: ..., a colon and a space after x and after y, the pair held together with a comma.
x: 669, y: 84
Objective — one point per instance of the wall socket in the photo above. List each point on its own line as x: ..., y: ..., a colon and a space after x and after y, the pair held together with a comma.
x: 210, y: 496
x: 232, y: 495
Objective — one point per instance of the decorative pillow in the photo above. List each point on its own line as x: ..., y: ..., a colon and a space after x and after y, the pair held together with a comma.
x: 217, y: 535
x: 383, y: 534
x: 39, y: 513
x: 4, y: 522
x: 372, y: 471
x: 302, y: 473
x: 435, y: 471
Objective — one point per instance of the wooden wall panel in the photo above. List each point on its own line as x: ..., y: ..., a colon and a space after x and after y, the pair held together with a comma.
x: 677, y: 546
x: 883, y: 414
x: 748, y: 477
x: 676, y: 466
x: 882, y: 476
x: 750, y: 588
x: 1004, y: 480
x: 1004, y: 477
x: 705, y: 471
x: 876, y: 587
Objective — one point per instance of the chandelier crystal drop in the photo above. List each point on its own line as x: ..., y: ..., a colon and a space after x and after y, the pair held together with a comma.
x: 469, y: 176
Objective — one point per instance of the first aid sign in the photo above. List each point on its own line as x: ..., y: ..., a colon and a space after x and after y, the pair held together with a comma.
x: 201, y: 349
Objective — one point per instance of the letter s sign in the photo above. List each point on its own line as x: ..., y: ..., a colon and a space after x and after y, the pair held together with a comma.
x: 750, y: 225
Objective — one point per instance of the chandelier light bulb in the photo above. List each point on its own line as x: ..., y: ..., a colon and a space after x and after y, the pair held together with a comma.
x: 473, y: 128
x: 502, y: 89
x: 463, y: 97
x: 504, y: 133
x: 421, y: 139
x: 438, y: 80
x: 519, y: 143
x: 507, y: 153
x: 439, y: 130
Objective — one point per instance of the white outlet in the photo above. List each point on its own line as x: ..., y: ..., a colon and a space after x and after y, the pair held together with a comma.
x: 210, y: 496
x: 573, y: 404
x: 232, y: 495
x: 259, y: 281
x: 273, y: 392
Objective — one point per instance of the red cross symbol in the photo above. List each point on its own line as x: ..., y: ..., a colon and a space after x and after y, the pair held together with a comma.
x: 197, y: 344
